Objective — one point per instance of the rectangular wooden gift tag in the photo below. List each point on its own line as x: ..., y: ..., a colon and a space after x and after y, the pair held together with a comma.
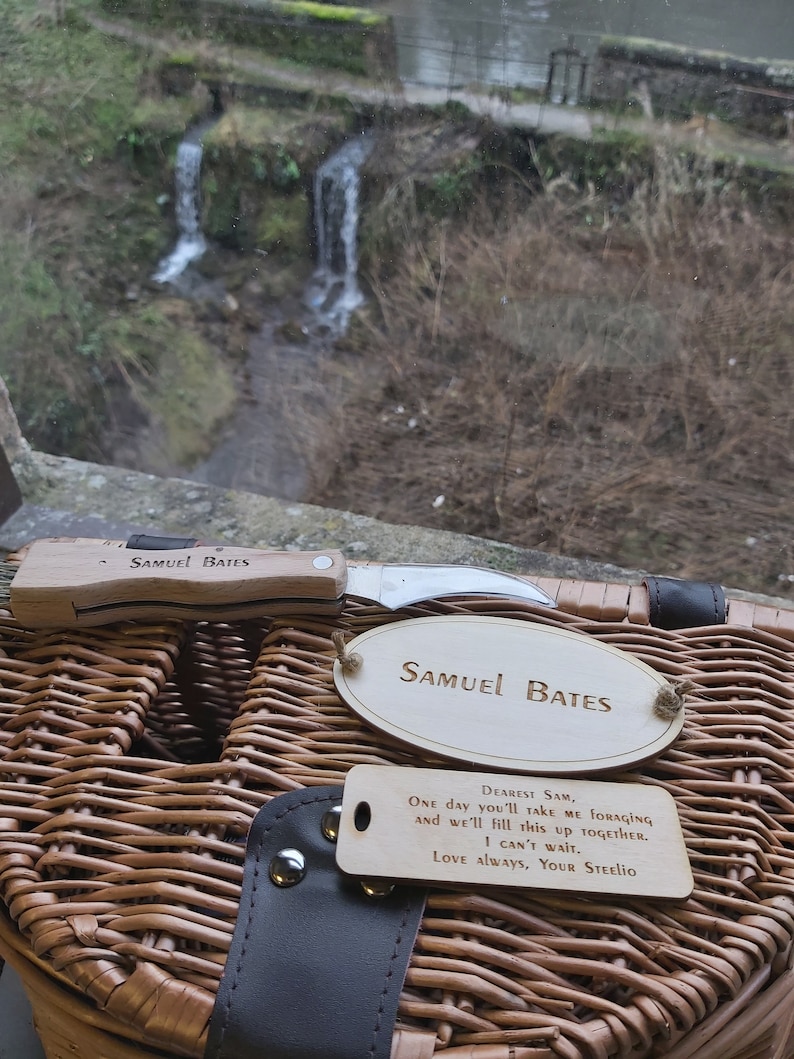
x: 468, y: 828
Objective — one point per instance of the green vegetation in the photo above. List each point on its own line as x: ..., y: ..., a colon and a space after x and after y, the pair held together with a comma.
x: 283, y: 228
x: 452, y: 190
x: 65, y: 93
x: 299, y: 10
x: 305, y: 9
x: 258, y: 167
x: 87, y: 141
x: 84, y: 157
x: 155, y: 120
x: 180, y: 385
x: 613, y: 161
x: 62, y: 86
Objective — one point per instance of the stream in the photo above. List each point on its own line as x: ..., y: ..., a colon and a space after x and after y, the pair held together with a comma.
x: 334, y: 293
x: 267, y: 446
x: 190, y: 244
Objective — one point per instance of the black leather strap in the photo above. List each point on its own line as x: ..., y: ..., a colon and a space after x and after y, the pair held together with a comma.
x: 676, y: 604
x: 315, y: 969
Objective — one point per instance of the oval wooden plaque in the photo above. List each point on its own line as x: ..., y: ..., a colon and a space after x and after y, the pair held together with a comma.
x: 508, y: 694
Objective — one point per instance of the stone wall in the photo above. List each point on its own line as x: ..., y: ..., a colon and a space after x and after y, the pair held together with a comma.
x: 353, y: 39
x: 678, y: 82
x: 257, y: 177
x: 11, y: 440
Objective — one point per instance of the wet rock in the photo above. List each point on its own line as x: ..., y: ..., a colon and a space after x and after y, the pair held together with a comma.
x: 292, y: 331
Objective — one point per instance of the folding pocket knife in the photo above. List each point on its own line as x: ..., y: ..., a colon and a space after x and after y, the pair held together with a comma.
x: 82, y: 583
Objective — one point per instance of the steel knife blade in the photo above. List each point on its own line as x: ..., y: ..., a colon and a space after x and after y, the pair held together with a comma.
x: 76, y: 583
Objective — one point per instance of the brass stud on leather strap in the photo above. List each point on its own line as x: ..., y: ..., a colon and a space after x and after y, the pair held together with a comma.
x: 377, y: 887
x: 287, y: 867
x: 330, y: 823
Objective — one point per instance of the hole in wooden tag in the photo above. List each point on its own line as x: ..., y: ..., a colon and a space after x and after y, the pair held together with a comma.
x: 362, y: 816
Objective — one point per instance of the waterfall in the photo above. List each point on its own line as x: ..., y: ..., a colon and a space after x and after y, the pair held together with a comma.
x: 333, y: 291
x: 190, y: 243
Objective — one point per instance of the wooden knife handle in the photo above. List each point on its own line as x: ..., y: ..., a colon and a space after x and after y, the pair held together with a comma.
x: 74, y: 583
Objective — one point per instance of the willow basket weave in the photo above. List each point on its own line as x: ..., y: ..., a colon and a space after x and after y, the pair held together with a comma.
x: 133, y: 759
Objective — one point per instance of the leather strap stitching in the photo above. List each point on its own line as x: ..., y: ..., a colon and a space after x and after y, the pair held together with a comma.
x: 715, y: 597
x: 389, y: 979
x: 656, y: 608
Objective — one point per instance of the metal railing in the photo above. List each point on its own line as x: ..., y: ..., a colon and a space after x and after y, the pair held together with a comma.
x: 525, y: 55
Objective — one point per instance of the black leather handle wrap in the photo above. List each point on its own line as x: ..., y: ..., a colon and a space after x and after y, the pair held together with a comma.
x: 676, y: 604
x: 150, y: 543
x: 315, y: 969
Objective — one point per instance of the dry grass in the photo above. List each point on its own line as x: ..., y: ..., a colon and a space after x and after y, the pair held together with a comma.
x: 596, y: 383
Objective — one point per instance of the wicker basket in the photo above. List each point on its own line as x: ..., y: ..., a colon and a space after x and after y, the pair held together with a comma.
x: 133, y: 759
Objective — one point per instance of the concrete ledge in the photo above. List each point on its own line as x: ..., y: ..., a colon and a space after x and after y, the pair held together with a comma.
x: 70, y: 498
x: 63, y: 497
x: 66, y: 497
